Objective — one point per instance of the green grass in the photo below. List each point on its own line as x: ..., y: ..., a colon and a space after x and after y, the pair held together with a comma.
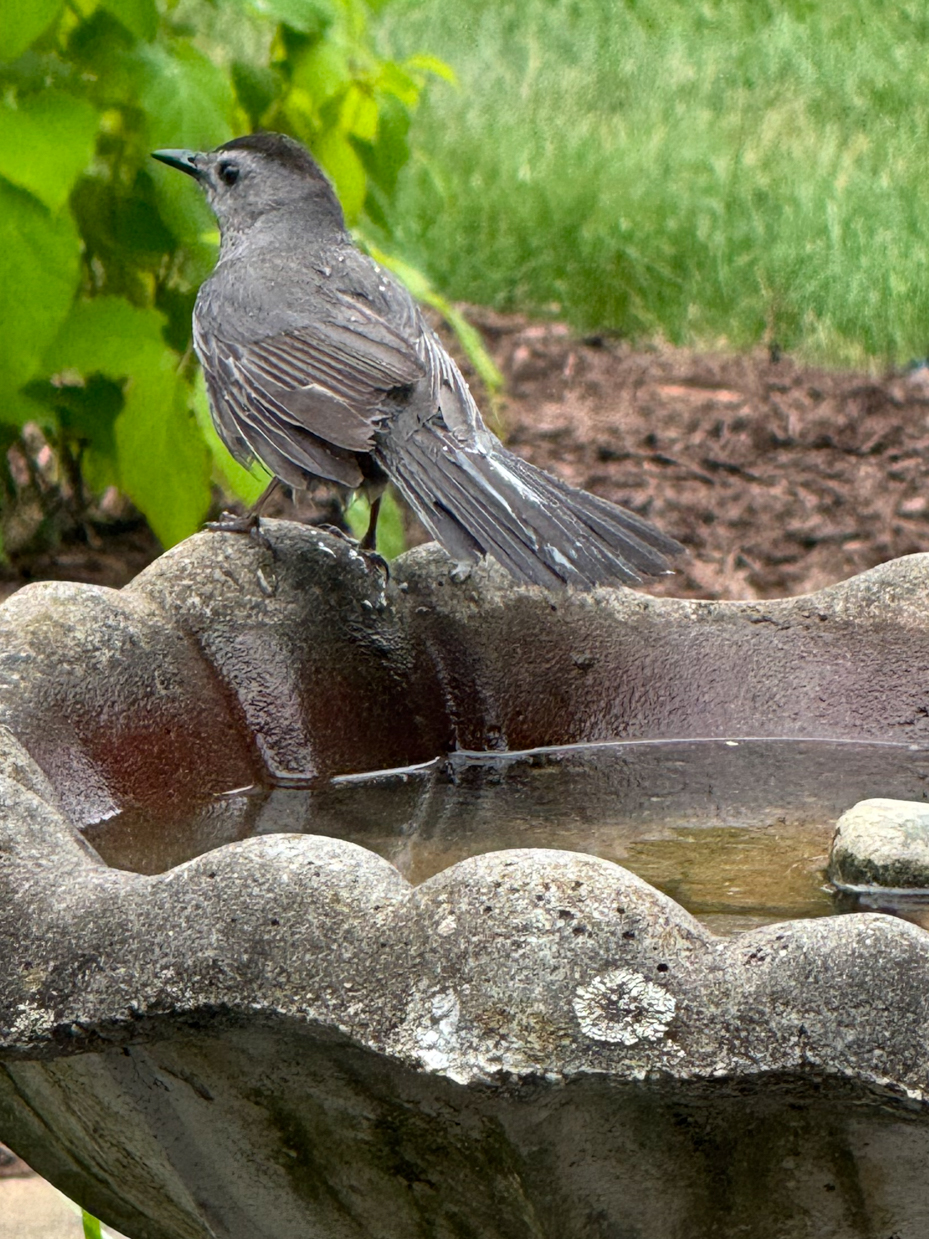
x: 715, y: 173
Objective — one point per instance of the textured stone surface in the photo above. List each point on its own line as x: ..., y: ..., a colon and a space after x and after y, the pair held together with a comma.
x: 283, y: 1038
x: 882, y: 843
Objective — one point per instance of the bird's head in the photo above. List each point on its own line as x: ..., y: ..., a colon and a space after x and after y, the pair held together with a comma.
x: 253, y: 176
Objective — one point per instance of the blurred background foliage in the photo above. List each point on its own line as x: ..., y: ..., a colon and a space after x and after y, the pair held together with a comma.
x: 719, y: 173
x: 101, y: 253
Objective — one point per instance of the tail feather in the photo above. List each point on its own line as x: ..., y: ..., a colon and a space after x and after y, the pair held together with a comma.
x: 635, y: 540
x: 477, y: 509
x: 543, y: 531
x: 616, y: 521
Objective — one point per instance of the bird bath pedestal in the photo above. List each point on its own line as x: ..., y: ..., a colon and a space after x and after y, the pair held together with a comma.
x: 283, y: 1037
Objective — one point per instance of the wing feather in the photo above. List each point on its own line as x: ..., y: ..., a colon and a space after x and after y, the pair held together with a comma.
x: 314, y: 394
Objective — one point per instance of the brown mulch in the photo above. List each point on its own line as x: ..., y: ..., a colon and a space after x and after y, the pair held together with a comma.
x: 778, y: 478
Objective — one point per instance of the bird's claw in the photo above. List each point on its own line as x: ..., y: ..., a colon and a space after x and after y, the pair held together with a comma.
x: 249, y: 523
x: 367, y: 553
x: 373, y: 559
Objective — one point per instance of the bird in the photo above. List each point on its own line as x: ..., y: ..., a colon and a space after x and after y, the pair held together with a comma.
x: 319, y: 363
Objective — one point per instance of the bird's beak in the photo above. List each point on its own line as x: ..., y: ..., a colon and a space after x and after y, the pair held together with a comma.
x: 182, y: 160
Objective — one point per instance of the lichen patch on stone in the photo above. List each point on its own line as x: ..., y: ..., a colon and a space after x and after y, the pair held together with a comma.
x: 438, y: 1041
x: 622, y: 1006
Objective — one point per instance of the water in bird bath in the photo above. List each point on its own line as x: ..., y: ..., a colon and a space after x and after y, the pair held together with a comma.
x: 738, y: 831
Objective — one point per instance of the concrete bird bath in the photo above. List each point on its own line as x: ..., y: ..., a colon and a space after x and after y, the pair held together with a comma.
x: 221, y: 1016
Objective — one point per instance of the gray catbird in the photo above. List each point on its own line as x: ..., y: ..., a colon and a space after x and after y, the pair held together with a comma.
x: 320, y: 364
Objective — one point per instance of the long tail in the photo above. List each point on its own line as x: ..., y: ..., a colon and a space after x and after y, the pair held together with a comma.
x: 484, y: 500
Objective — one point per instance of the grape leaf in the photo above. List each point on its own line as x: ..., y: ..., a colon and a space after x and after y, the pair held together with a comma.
x: 307, y: 16
x: 46, y: 142
x: 39, y: 265
x: 106, y: 335
x: 164, y: 465
x: 187, y: 100
x: 21, y: 23
x: 140, y: 17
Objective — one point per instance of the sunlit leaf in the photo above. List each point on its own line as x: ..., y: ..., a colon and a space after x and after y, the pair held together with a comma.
x: 396, y: 81
x: 162, y: 461
x: 46, y: 141
x: 306, y: 16
x: 21, y: 23
x: 255, y: 87
x: 140, y: 17
x: 90, y: 1226
x: 98, y: 50
x: 105, y: 335
x: 188, y: 102
x: 359, y: 115
x: 422, y: 63
x: 39, y: 262
x: 164, y: 464
x: 338, y: 157
x: 322, y: 71
x: 384, y: 158
x: 187, y: 99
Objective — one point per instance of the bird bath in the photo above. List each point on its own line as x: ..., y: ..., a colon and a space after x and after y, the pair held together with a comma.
x: 222, y: 1013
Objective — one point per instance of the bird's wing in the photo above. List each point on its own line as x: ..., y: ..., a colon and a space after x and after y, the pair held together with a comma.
x: 312, y: 395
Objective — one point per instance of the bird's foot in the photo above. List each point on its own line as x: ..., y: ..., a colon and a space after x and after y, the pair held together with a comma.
x: 249, y: 523
x: 367, y: 553
x: 337, y: 533
x: 373, y: 560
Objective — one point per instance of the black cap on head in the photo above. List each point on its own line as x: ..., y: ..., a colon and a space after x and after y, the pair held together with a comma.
x: 277, y: 146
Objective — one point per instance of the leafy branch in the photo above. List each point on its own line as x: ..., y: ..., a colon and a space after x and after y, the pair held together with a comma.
x: 101, y: 254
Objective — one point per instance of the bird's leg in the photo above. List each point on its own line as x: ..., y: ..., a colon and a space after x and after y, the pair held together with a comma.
x: 369, y: 541
x: 368, y: 544
x: 250, y: 521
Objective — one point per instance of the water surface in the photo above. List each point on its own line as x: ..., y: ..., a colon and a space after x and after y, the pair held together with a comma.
x: 738, y: 831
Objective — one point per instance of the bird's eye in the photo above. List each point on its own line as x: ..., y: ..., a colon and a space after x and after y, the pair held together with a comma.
x: 228, y: 173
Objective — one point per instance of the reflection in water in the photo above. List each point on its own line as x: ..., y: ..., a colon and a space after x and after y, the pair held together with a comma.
x: 736, y: 831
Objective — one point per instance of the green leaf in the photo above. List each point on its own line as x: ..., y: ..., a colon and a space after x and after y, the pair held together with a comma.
x: 359, y: 114
x: 322, y: 71
x: 46, y: 142
x: 140, y: 17
x: 423, y: 63
x: 91, y: 1226
x: 310, y: 17
x: 340, y: 160
x: 21, y: 23
x: 245, y: 484
x: 106, y: 335
x: 394, y: 80
x: 98, y: 50
x: 256, y: 87
x: 84, y: 412
x: 164, y: 465
x: 384, y: 158
x: 188, y: 101
x: 39, y: 268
